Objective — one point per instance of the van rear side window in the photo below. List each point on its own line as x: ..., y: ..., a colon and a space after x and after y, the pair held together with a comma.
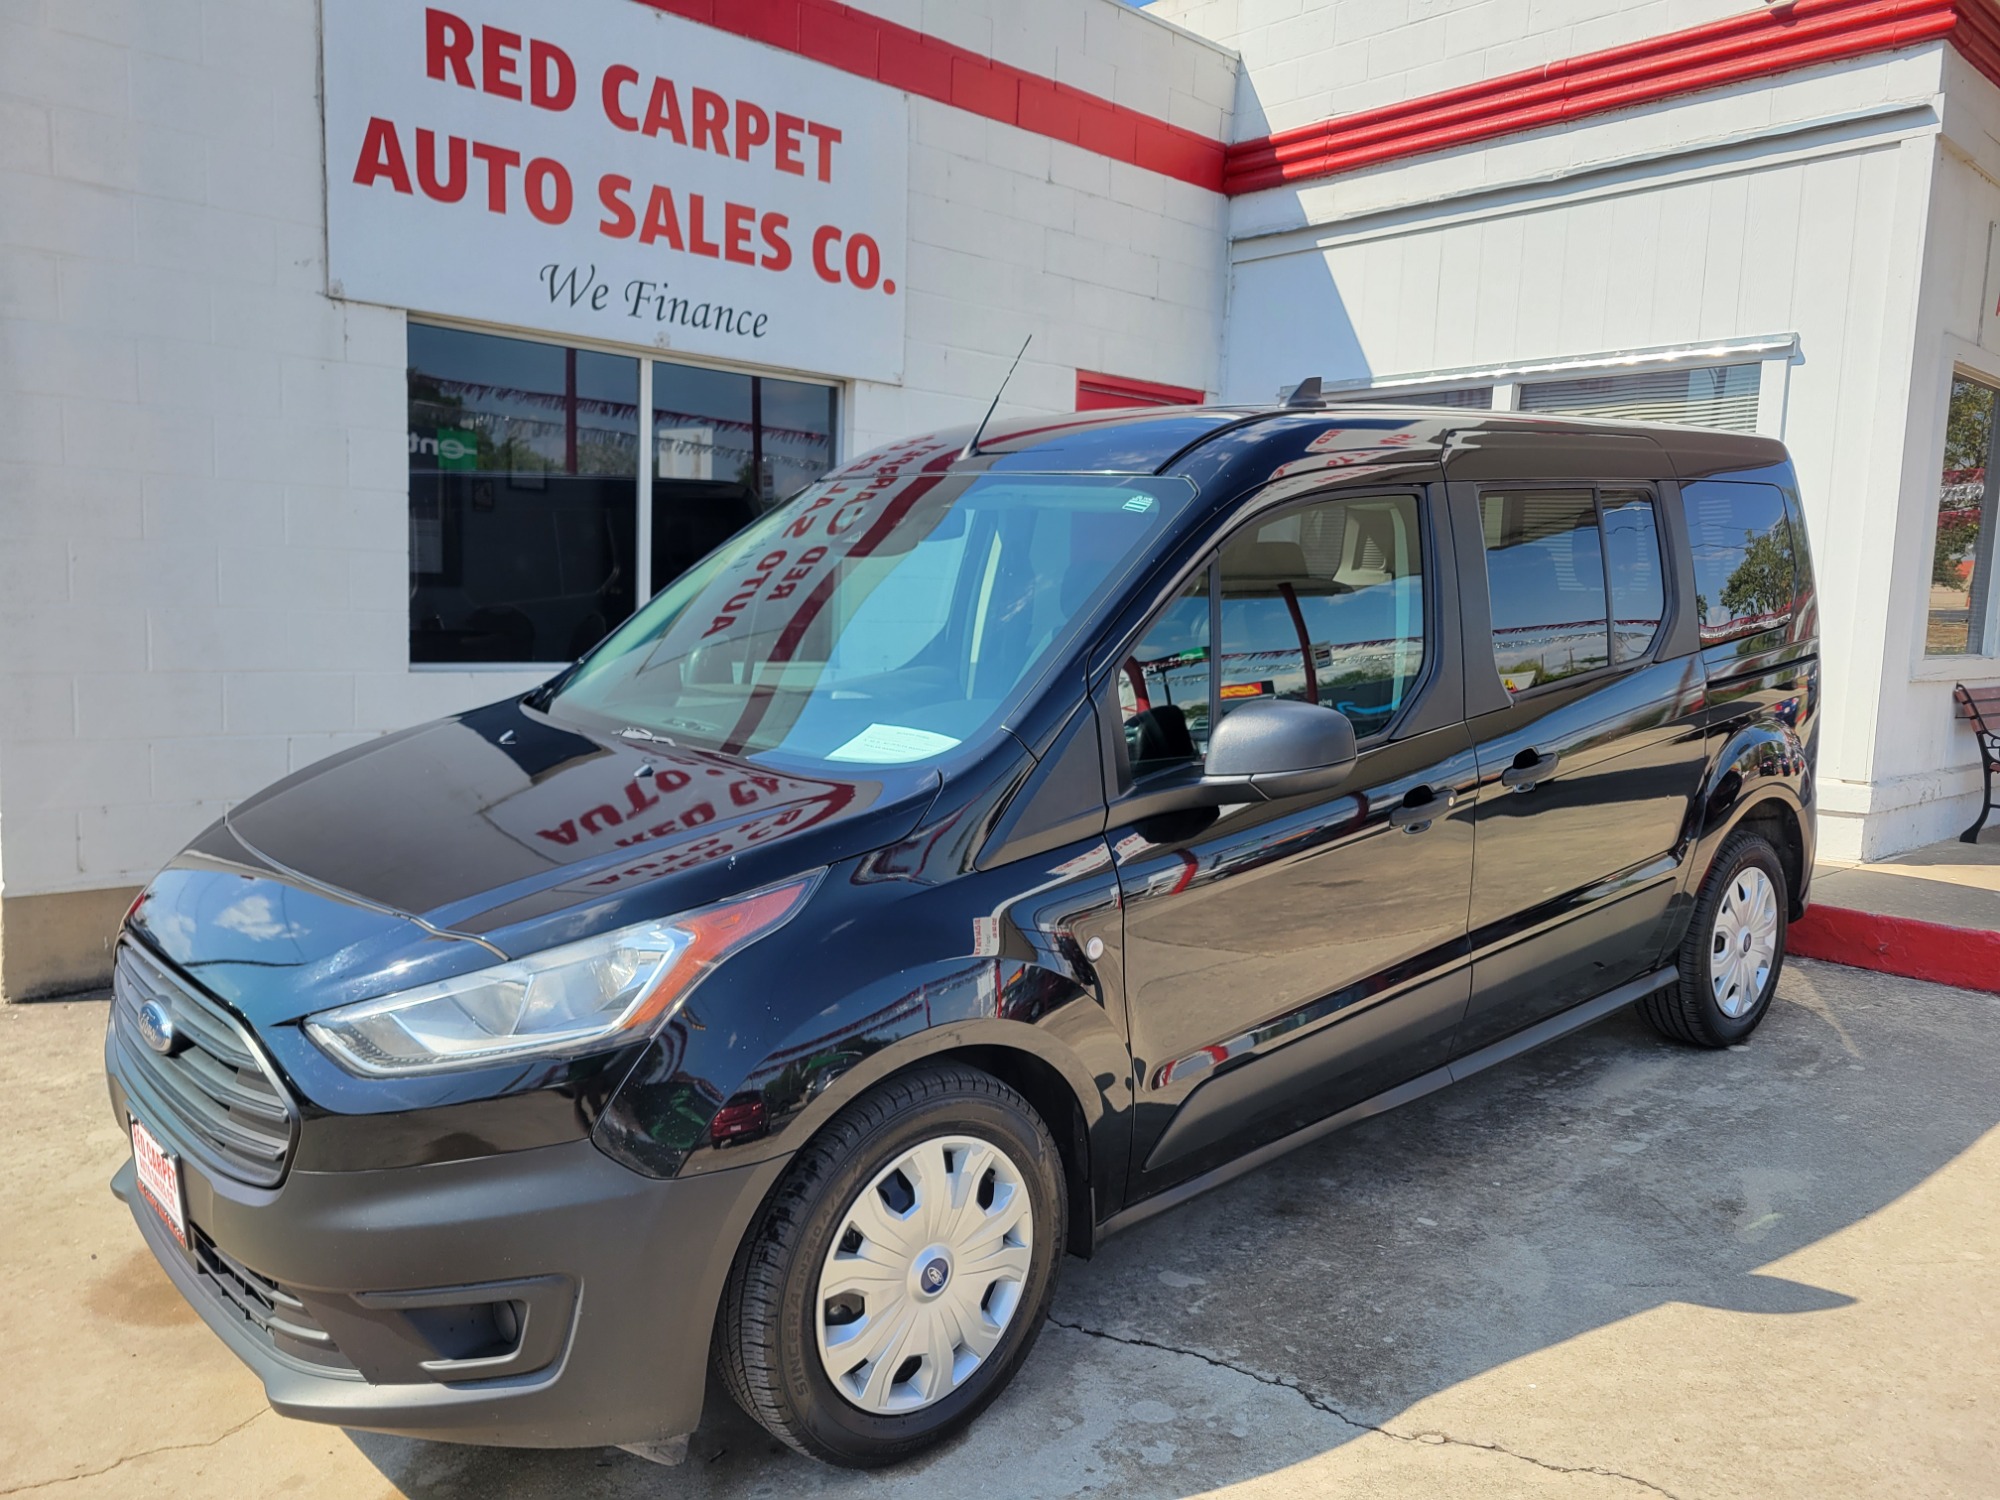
x: 1745, y: 575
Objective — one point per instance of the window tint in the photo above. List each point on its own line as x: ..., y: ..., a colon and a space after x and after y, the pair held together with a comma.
x: 1326, y: 605
x: 1163, y: 686
x: 1545, y: 572
x: 1743, y: 576
x: 1632, y: 558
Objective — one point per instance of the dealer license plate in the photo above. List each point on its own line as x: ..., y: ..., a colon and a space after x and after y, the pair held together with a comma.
x: 160, y: 1180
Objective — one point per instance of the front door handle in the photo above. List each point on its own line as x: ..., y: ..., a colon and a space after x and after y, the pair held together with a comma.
x: 1530, y: 768
x: 1421, y: 806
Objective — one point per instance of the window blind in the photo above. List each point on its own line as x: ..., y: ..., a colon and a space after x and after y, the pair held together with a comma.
x: 1723, y: 396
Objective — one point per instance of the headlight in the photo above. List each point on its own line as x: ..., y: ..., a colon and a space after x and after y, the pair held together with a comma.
x: 580, y: 997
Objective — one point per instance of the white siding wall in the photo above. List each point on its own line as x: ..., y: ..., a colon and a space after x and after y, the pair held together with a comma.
x: 1717, y: 218
x: 1926, y: 783
x: 1308, y: 63
x: 203, y: 544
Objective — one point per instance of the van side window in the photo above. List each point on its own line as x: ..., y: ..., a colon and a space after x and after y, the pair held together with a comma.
x: 1743, y: 567
x: 1545, y: 574
x: 1163, y: 686
x: 1632, y: 558
x: 1325, y: 604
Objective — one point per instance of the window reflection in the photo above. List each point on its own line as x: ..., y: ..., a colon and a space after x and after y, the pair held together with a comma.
x: 1545, y: 571
x: 524, y: 504
x: 1961, y: 557
x: 523, y: 464
x: 1638, y: 589
x: 1326, y: 605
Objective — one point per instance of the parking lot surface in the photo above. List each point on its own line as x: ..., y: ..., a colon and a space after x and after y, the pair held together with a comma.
x: 1613, y: 1268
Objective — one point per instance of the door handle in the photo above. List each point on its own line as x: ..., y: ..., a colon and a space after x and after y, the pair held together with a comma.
x: 1530, y: 768
x: 1421, y: 806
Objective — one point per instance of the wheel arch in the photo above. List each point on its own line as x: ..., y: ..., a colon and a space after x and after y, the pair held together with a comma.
x: 1778, y: 820
x: 1066, y: 1094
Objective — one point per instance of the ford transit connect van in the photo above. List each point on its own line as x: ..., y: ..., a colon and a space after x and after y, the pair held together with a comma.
x: 998, y: 843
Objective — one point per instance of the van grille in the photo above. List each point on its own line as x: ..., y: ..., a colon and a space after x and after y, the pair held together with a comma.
x: 220, y: 1099
x: 272, y: 1310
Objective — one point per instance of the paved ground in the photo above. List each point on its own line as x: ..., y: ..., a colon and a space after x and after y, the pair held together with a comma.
x: 1616, y: 1268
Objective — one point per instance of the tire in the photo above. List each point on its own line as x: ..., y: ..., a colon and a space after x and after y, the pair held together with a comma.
x: 1742, y: 905
x: 964, y: 1137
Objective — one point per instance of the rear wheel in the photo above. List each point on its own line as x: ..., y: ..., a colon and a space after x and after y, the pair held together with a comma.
x: 901, y: 1272
x: 1734, y: 949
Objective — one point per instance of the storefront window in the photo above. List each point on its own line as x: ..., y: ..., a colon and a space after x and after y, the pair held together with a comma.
x: 523, y: 474
x: 1961, y: 559
x: 524, y: 485
x: 728, y: 447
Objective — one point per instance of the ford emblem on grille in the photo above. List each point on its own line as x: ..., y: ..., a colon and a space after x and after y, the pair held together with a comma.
x: 156, y: 1025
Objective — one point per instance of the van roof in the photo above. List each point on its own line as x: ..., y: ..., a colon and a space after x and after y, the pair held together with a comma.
x: 1151, y: 440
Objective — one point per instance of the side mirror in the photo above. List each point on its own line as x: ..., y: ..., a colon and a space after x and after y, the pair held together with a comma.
x: 1278, y: 748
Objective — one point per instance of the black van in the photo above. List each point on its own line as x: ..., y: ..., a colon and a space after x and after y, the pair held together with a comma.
x: 998, y: 843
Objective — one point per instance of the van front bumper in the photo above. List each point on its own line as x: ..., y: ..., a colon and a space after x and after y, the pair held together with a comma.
x: 539, y: 1298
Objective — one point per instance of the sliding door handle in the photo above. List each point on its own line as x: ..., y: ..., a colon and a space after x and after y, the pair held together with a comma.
x: 1530, y: 768
x: 1421, y: 806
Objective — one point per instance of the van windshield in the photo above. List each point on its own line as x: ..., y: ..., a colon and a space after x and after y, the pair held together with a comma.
x: 881, y: 618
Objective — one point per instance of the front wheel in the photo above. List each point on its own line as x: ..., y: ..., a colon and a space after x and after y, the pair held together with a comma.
x: 1733, y: 951
x: 901, y: 1272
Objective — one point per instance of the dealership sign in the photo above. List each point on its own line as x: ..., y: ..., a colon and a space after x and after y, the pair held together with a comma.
x: 608, y: 171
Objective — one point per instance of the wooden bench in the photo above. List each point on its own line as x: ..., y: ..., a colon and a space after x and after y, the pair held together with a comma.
x: 1982, y: 707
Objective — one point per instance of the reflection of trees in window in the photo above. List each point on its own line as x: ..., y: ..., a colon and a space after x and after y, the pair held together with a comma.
x: 1968, y: 425
x: 1762, y: 583
x: 1968, y: 433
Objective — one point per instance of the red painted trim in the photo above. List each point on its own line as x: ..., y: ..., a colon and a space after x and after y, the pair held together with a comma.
x: 1096, y: 392
x: 854, y: 41
x: 1978, y: 37
x: 1757, y: 44
x: 1966, y: 957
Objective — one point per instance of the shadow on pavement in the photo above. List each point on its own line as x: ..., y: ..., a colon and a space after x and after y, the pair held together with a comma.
x: 1604, y: 1177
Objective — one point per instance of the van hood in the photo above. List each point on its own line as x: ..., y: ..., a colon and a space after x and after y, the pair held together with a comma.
x: 482, y: 837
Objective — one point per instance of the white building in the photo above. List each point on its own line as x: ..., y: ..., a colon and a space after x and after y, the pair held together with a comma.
x: 326, y: 331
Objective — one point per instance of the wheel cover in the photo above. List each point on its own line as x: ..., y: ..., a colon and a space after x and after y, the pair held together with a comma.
x: 1743, y: 948
x: 926, y: 1271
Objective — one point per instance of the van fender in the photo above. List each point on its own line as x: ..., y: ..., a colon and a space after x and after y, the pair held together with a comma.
x: 1042, y: 1030
x: 1764, y: 767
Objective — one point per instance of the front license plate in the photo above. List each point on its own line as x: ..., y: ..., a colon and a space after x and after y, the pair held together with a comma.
x: 160, y: 1180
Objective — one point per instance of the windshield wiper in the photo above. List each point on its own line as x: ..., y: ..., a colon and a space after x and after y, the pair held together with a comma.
x: 634, y: 732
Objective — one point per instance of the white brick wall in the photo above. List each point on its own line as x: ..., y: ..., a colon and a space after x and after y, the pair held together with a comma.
x: 1109, y: 267
x: 201, y: 456
x: 1308, y: 62
x: 203, y: 547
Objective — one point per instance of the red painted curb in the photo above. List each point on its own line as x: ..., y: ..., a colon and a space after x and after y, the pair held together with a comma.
x: 1966, y: 957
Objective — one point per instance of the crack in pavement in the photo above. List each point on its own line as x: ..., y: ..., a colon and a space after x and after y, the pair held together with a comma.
x: 118, y: 1463
x: 1320, y: 1403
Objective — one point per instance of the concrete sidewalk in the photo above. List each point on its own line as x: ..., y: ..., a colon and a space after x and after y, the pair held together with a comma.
x: 1931, y: 914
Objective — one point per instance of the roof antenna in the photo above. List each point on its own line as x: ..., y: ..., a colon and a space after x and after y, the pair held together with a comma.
x: 1305, y: 393
x: 972, y: 448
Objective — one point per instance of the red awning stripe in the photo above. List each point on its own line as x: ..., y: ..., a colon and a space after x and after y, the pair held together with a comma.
x: 1757, y: 44
x: 866, y: 45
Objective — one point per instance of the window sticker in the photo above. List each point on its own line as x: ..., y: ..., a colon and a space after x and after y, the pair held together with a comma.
x: 893, y: 744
